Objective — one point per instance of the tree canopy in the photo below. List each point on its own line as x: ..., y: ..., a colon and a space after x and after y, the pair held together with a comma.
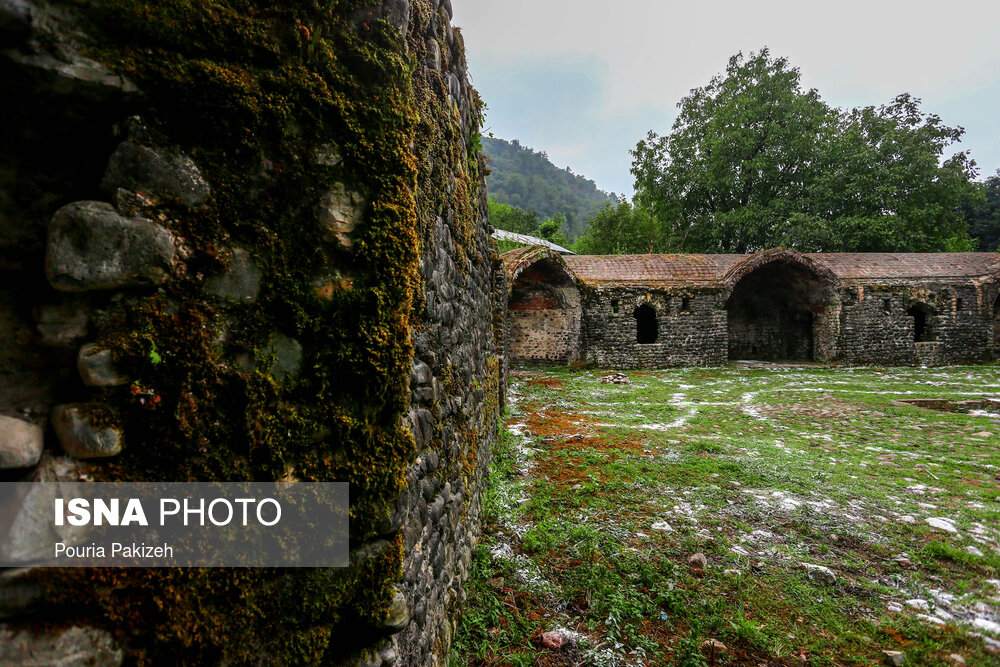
x: 983, y: 213
x: 754, y: 161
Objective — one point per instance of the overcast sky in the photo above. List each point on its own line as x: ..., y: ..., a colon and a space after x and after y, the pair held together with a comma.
x: 584, y: 80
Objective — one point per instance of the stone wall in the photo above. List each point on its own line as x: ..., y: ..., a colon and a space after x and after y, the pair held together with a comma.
x: 691, y: 328
x: 249, y: 245
x: 777, y: 305
x: 876, y: 327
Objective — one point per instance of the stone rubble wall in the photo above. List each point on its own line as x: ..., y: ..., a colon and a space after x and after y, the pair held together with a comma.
x: 113, y: 234
x: 877, y: 329
x: 693, y: 337
x: 860, y: 328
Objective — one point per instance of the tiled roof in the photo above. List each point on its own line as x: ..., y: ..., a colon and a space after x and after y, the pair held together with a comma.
x: 884, y: 265
x: 650, y: 270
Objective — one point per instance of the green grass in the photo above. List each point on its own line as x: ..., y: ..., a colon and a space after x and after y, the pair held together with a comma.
x: 760, y: 469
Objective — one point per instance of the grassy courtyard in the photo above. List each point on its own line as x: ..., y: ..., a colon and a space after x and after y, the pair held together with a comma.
x: 835, y: 523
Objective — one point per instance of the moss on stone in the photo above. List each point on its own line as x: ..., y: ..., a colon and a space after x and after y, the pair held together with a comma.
x: 253, y: 92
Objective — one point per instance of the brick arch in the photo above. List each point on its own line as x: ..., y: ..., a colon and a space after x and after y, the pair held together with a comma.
x: 544, y: 307
x: 517, y: 261
x: 753, y: 262
x: 781, y: 305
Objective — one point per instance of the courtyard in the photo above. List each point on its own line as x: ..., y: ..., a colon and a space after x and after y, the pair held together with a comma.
x: 755, y: 514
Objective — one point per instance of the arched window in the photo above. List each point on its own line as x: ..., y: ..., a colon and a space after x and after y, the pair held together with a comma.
x: 646, y: 329
x: 923, y: 331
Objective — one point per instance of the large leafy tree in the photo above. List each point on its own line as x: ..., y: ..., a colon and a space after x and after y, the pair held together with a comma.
x: 983, y: 213
x: 754, y: 161
x: 623, y: 229
x: 512, y: 219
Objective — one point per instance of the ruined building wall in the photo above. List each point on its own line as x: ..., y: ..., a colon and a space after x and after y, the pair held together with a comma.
x: 247, y: 241
x: 691, y: 328
x: 544, y: 311
x: 775, y: 305
x: 877, y: 327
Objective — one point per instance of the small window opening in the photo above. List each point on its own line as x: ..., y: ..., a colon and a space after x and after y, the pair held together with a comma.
x: 887, y: 305
x: 645, y: 324
x: 685, y: 305
x: 614, y: 305
x: 958, y: 304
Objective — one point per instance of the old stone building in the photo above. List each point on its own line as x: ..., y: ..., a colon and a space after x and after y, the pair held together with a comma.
x: 649, y: 311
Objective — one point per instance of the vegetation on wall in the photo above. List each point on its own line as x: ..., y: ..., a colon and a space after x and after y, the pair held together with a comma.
x: 261, y: 95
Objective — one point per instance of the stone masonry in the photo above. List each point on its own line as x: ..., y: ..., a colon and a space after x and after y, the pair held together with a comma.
x: 896, y: 309
x: 328, y: 306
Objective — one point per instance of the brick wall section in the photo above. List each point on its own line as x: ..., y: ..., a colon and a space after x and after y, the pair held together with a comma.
x: 544, y: 307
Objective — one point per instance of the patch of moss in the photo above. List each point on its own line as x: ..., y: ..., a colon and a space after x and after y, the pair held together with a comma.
x: 253, y: 92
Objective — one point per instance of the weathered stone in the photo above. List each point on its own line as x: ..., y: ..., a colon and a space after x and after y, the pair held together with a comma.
x: 399, y: 613
x: 446, y: 4
x: 433, y: 59
x: 697, y: 563
x: 397, y: 13
x: 84, y: 431
x: 240, y: 281
x: 69, y: 647
x: 328, y: 155
x: 893, y: 658
x: 32, y: 533
x: 420, y: 374
x: 20, y: 443
x: 96, y: 367
x: 63, y: 324
x: 286, y: 357
x: 955, y: 660
x: 91, y: 247
x: 820, y: 573
x: 156, y: 174
x: 340, y: 211
x: 74, y: 74
x: 554, y: 640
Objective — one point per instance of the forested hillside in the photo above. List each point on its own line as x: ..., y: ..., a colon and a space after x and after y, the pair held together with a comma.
x: 522, y: 177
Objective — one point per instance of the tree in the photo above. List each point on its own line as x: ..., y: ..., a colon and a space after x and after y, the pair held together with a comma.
x: 622, y: 229
x: 553, y: 230
x: 982, y: 211
x: 512, y: 219
x: 755, y: 161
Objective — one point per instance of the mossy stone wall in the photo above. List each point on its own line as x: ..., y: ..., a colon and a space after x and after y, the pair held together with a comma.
x: 304, y: 289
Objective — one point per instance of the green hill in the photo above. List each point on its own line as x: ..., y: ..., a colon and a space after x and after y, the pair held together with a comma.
x: 522, y: 177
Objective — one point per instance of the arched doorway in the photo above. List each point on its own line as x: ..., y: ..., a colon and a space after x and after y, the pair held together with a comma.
x: 996, y: 326
x: 923, y: 323
x: 778, y: 310
x: 544, y: 309
x: 647, y: 329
